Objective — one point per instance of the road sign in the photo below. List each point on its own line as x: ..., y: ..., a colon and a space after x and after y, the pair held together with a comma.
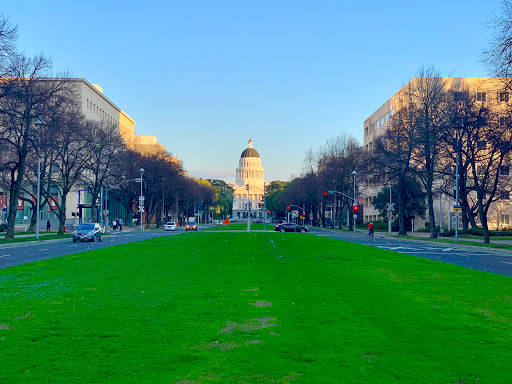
x: 457, y: 208
x: 141, y: 208
x: 48, y: 211
x: 141, y: 198
x: 390, y: 206
x: 138, y: 180
x: 330, y: 191
x: 295, y: 214
x: 4, y: 209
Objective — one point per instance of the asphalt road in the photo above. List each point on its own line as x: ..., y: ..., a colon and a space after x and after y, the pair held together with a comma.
x: 483, y: 259
x: 20, y: 253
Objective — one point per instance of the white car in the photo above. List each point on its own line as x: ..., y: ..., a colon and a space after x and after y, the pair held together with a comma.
x: 170, y: 226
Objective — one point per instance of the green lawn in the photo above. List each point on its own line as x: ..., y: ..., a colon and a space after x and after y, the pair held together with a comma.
x: 252, y: 308
x: 42, y: 237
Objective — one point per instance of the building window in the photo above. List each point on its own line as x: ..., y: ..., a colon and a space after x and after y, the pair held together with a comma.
x: 504, y: 170
x: 459, y: 96
x: 378, y: 124
x: 387, y: 117
x: 505, y: 219
x: 505, y: 195
x: 382, y: 121
x: 481, y: 96
x: 503, y: 97
x: 482, y: 144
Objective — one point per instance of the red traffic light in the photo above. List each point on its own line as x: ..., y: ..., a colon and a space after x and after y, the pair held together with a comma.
x: 288, y: 207
x: 355, y: 208
x: 326, y: 193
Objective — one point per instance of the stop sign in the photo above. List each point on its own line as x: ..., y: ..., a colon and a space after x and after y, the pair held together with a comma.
x: 48, y: 211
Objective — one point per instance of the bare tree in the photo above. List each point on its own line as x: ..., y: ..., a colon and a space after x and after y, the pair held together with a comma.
x: 428, y: 95
x: 72, y: 155
x: 498, y: 56
x: 394, y: 153
x: 26, y: 98
x: 8, y: 37
x: 106, y: 147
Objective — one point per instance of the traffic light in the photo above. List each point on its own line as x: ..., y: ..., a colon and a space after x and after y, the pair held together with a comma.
x: 326, y: 194
x: 288, y: 208
x: 355, y: 208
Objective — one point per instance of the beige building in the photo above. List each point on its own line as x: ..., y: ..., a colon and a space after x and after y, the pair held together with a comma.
x: 96, y: 106
x: 482, y: 89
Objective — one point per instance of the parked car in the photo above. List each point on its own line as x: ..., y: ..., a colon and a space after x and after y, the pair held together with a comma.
x: 290, y: 227
x: 191, y: 226
x: 87, y: 232
x: 170, y: 226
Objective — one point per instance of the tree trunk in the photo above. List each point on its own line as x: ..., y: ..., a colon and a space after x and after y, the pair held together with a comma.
x: 62, y: 214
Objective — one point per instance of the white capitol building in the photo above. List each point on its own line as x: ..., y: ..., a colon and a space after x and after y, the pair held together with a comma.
x: 250, y: 183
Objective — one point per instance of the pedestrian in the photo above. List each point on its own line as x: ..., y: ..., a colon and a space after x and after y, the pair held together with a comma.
x: 370, y: 229
x: 114, y: 225
x: 48, y: 225
x: 120, y: 222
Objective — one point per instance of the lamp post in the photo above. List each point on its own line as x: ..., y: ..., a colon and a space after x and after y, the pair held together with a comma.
x: 39, y: 124
x: 141, y: 198
x: 248, y: 207
x: 354, y: 173
x: 457, y: 189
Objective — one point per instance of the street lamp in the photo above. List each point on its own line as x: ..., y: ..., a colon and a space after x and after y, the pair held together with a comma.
x: 39, y: 124
x: 354, y: 173
x: 141, y: 198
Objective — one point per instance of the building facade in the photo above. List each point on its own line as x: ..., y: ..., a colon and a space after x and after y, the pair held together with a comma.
x: 249, y: 189
x: 481, y: 90
x: 94, y: 106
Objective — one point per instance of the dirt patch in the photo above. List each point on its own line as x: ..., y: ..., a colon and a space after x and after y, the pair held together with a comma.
x: 5, y: 327
x: 249, y: 342
x: 250, y: 325
x: 25, y: 316
x: 221, y: 346
x: 293, y: 376
x: 262, y: 304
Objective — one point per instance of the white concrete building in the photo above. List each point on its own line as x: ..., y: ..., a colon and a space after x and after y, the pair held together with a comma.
x: 249, y: 192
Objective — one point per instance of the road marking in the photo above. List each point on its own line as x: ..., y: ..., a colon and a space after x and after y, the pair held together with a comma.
x: 505, y: 262
x: 5, y: 255
x: 447, y: 249
x: 42, y: 250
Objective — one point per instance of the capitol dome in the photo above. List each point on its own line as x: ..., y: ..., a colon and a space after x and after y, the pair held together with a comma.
x: 250, y: 151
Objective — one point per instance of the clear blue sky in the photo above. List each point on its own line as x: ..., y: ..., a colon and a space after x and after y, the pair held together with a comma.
x: 205, y: 76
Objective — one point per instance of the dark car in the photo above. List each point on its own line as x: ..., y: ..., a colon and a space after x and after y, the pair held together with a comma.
x: 191, y: 226
x: 290, y: 227
x: 87, y: 232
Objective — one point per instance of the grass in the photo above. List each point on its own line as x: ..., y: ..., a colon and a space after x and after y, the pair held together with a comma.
x: 42, y: 237
x: 252, y: 308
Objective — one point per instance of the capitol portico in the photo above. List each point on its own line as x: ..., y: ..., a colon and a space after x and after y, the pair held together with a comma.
x: 250, y: 185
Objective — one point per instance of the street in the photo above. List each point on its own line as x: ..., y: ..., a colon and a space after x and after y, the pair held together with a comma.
x: 497, y: 261
x: 20, y: 253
